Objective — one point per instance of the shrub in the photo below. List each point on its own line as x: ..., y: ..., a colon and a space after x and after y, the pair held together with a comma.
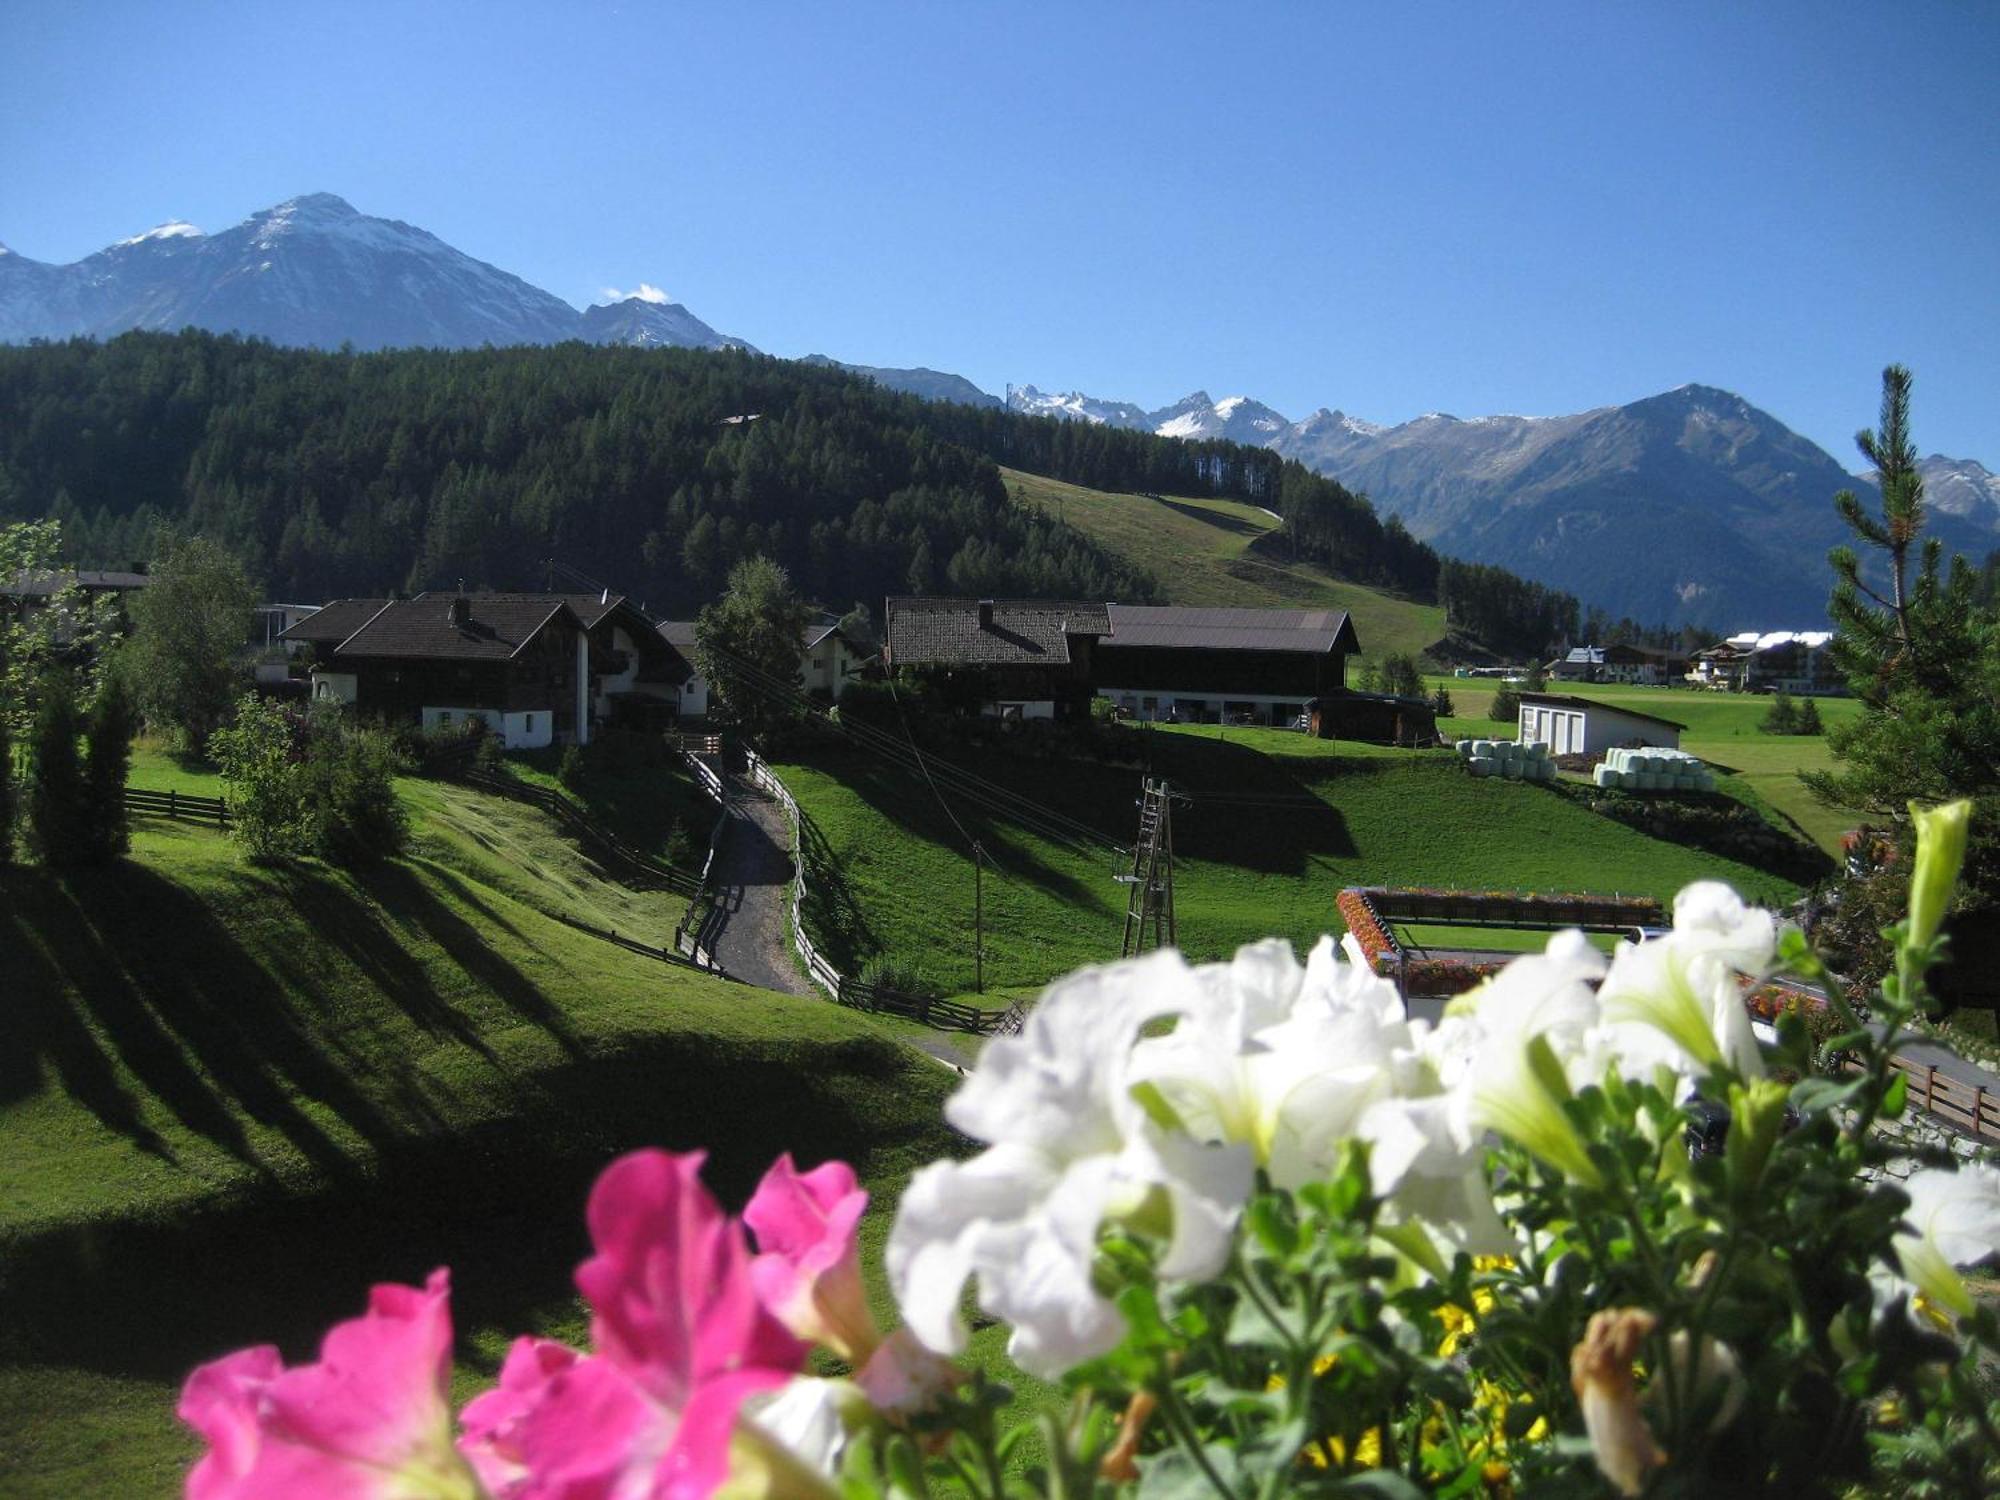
x: 1782, y: 717
x: 269, y: 803
x: 1506, y: 707
x: 570, y: 769
x: 885, y: 971
x: 349, y: 776
x: 680, y: 846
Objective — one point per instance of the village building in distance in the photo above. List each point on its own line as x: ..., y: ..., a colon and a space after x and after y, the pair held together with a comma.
x: 828, y: 661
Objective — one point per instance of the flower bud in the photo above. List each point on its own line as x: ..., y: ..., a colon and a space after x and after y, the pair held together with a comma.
x: 1756, y: 1117
x: 1941, y: 833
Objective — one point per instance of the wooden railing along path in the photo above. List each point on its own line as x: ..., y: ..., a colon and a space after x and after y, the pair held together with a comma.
x: 694, y: 936
x: 950, y: 1015
x: 1970, y: 1107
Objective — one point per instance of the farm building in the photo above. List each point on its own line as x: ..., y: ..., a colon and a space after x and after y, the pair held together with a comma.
x: 1010, y: 658
x: 1227, y: 666
x: 1647, y: 666
x: 520, y: 662
x: 1578, y: 664
x: 1581, y: 726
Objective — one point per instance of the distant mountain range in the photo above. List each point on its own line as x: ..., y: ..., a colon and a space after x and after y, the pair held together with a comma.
x: 1692, y: 505
x: 314, y: 271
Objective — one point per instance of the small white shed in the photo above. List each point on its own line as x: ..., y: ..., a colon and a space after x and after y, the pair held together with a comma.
x: 1570, y: 725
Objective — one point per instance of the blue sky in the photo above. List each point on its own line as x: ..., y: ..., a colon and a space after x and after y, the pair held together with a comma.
x: 1392, y: 209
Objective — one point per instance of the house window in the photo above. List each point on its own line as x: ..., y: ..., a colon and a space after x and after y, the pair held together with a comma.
x: 528, y: 726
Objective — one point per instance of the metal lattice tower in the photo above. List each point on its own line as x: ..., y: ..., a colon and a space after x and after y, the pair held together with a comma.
x: 1149, y: 901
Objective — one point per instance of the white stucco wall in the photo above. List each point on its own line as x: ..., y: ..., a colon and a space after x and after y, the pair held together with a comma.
x: 333, y: 687
x: 1569, y: 730
x: 529, y: 730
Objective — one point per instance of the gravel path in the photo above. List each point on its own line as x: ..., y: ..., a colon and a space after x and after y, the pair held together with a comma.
x: 753, y: 891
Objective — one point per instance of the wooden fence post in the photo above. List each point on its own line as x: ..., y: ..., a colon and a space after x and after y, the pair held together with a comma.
x: 1930, y: 1085
x: 173, y: 803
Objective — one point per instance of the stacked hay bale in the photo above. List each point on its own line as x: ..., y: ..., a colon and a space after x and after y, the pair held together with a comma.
x: 1648, y: 770
x: 1508, y: 758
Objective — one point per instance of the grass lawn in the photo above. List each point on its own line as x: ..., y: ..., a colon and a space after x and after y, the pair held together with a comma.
x: 1275, y: 825
x: 234, y: 1096
x: 1223, y: 552
x: 1721, y: 729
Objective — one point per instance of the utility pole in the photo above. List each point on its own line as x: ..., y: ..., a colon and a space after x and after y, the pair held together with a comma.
x: 1149, y: 903
x: 978, y: 918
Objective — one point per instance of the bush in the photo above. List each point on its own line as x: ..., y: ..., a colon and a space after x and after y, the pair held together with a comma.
x: 899, y: 975
x: 270, y: 805
x: 1506, y: 707
x: 570, y: 769
x: 1782, y: 717
x: 349, y: 776
x: 679, y: 848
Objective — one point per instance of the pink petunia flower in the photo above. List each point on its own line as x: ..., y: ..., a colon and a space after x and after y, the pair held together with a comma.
x: 682, y: 1341
x: 808, y: 1274
x: 370, y: 1420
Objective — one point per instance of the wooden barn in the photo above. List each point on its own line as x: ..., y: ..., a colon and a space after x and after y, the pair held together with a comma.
x: 1010, y: 658
x: 1224, y: 666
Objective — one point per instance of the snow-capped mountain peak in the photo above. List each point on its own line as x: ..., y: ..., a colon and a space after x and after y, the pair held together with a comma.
x: 173, y: 229
x: 315, y: 270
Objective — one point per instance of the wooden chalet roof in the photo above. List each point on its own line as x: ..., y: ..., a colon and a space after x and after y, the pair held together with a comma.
x: 335, y: 622
x: 1017, y: 632
x: 1314, y: 631
x: 497, y: 628
x: 1570, y: 700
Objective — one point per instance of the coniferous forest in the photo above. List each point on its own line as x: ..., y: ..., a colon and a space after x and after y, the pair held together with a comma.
x: 655, y: 470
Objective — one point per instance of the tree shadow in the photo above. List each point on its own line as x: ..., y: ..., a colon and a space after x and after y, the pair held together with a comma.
x: 1220, y: 520
x: 198, y: 1023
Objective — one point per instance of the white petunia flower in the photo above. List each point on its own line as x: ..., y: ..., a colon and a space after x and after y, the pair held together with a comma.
x: 1282, y: 1059
x: 1674, y: 1001
x: 1070, y: 1149
x: 1956, y: 1219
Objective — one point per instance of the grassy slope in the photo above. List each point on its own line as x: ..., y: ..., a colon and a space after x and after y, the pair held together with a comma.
x: 234, y: 1096
x: 1222, y: 552
x: 1277, y: 824
x: 1721, y: 729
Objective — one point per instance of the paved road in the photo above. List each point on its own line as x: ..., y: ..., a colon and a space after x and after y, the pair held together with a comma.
x: 753, y: 891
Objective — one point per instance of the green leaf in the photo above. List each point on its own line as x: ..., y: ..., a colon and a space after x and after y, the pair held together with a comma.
x: 1897, y: 1096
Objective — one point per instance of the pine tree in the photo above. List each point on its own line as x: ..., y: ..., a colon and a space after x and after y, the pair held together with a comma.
x: 1782, y: 717
x: 1809, y: 720
x: 58, y: 799
x: 109, y: 739
x: 6, y: 794
x: 1441, y: 704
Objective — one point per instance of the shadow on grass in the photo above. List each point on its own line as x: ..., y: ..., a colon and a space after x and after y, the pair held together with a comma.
x: 501, y: 1205
x: 1220, y: 520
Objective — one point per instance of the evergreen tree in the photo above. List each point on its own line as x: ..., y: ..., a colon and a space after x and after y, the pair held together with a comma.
x: 59, y: 810
x: 1506, y: 707
x: 109, y: 740
x: 1782, y: 717
x: 1809, y: 721
x: 1441, y: 704
x: 6, y: 793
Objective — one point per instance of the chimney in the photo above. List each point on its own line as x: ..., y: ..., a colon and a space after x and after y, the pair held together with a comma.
x: 985, y: 614
x: 461, y: 607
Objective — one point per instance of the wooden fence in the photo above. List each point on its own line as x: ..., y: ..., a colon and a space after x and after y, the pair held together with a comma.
x: 586, y: 828
x: 951, y: 1015
x: 172, y: 804
x: 1969, y: 1107
x: 692, y: 936
x: 693, y: 744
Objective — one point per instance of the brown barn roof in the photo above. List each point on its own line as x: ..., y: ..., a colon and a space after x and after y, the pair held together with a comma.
x: 334, y: 622
x: 948, y: 632
x: 497, y: 627
x: 1317, y: 631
